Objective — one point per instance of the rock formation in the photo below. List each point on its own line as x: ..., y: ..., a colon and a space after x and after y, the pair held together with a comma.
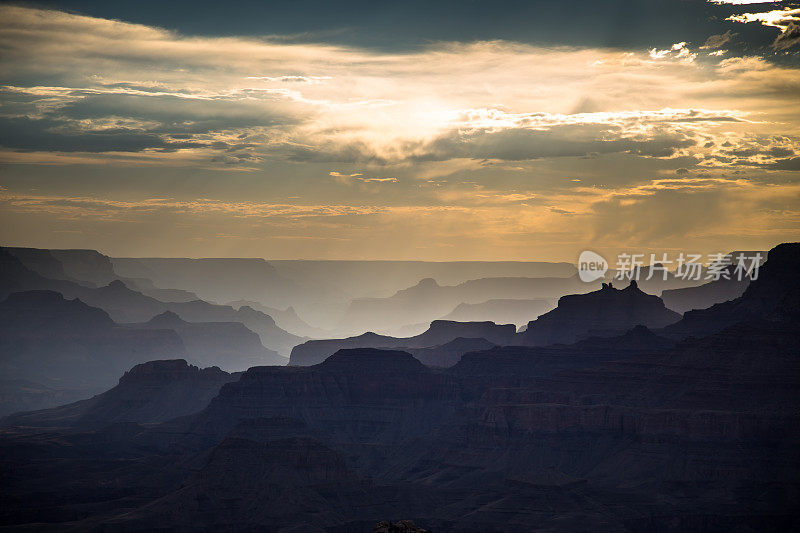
x: 229, y: 345
x: 608, y: 311
x: 704, y: 296
x: 643, y: 431
x: 154, y: 391
x: 54, y: 344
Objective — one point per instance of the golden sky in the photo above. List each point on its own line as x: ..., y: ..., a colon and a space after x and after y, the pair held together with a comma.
x: 143, y: 141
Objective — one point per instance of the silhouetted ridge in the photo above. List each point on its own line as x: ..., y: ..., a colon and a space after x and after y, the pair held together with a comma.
x: 154, y: 391
x: 166, y: 319
x: 426, y: 283
x: 117, y: 285
x: 633, y: 432
x: 463, y: 343
x: 776, y: 289
x: 166, y: 368
x: 440, y: 332
x: 370, y: 360
x: 773, y: 295
x: 449, y: 353
x: 34, y: 310
x: 706, y: 295
x: 40, y: 261
x: 639, y: 337
x: 605, y: 312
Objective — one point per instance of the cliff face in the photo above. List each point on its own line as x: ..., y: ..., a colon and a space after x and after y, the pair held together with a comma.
x: 704, y: 296
x: 355, y: 395
x: 449, y: 353
x: 608, y: 312
x: 47, y: 312
x: 440, y: 332
x: 16, y: 277
x: 774, y: 295
x: 40, y: 261
x: 229, y: 345
x: 59, y: 344
x: 87, y: 267
x: 154, y: 391
x: 519, y: 366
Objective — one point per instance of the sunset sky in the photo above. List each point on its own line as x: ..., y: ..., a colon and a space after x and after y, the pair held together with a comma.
x: 373, y: 130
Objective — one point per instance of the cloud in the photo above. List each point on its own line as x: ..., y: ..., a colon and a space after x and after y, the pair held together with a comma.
x: 710, y: 209
x: 789, y: 37
x: 379, y: 180
x: 792, y: 163
x: 678, y: 51
x: 119, y: 87
x: 739, y: 2
x: 718, y: 41
x: 292, y: 79
x: 464, y: 146
x: 81, y: 206
x: 786, y: 20
x: 777, y: 18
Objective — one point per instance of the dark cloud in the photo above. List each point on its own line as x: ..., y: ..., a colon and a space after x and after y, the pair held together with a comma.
x: 785, y: 164
x: 559, y: 141
x: 516, y: 144
x: 97, y: 123
x: 416, y: 23
x: 22, y: 133
x: 760, y: 152
x: 179, y: 115
x: 718, y: 41
x: 789, y: 37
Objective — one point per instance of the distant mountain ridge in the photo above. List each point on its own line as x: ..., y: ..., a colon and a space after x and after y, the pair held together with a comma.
x: 52, y: 343
x: 428, y: 300
x: 704, y: 296
x: 126, y: 305
x: 88, y: 267
x: 440, y: 332
x: 215, y: 279
x: 501, y: 311
x: 286, y: 319
x: 229, y: 345
x: 606, y: 312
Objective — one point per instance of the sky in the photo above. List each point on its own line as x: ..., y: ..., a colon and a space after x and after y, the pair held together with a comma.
x: 453, y: 130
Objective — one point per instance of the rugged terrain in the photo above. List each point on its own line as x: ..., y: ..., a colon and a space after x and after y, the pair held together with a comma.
x: 688, y: 427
